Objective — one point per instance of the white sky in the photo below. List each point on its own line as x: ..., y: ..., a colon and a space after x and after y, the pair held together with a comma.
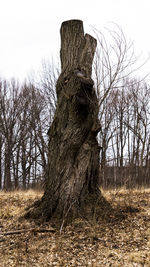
x: 29, y: 29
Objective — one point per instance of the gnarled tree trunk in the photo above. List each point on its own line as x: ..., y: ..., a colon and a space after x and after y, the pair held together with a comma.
x: 73, y: 166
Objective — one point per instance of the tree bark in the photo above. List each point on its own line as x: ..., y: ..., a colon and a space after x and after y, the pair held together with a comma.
x: 73, y: 160
x: 1, y: 144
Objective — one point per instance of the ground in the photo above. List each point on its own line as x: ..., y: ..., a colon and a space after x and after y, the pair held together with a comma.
x: 121, y: 238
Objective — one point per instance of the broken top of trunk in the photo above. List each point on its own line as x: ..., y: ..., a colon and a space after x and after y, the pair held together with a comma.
x: 77, y: 49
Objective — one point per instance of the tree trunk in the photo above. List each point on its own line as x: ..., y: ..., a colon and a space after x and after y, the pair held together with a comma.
x: 1, y: 144
x: 7, y: 168
x: 73, y: 160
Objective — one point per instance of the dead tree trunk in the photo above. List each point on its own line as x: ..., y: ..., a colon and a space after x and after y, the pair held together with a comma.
x: 73, y: 166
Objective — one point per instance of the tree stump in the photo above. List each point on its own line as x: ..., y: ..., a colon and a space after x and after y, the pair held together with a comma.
x: 72, y: 185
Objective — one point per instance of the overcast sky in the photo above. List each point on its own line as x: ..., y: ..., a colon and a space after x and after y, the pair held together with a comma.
x: 29, y: 29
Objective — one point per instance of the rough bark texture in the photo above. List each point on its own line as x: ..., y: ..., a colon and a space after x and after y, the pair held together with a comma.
x: 73, y: 167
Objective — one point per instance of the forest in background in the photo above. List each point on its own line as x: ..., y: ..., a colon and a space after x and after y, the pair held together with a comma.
x: 27, y: 110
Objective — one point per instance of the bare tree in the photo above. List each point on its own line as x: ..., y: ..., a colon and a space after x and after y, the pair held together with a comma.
x: 73, y: 159
x: 10, y: 108
x: 114, y: 61
x: 115, y: 64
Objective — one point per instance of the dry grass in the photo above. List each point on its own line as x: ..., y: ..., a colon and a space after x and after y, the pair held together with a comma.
x: 120, y: 239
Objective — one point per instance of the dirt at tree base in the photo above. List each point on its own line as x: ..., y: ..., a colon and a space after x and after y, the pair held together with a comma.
x: 94, y: 207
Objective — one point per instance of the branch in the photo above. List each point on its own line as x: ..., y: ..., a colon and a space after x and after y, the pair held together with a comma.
x: 35, y: 230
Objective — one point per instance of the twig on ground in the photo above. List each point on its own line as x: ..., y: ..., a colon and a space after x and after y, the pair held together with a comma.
x: 35, y: 230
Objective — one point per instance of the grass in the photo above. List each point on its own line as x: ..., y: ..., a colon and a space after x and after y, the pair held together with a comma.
x: 120, y: 239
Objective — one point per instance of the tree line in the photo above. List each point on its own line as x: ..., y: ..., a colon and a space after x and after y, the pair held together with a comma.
x: 125, y: 136
x: 27, y: 111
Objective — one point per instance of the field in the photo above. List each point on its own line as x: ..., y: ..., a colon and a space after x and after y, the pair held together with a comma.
x: 121, y: 238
